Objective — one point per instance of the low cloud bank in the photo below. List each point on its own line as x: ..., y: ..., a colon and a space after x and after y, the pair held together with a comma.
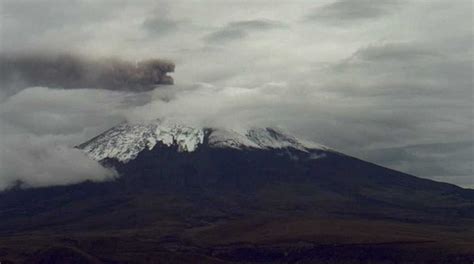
x: 36, y: 161
x: 40, y: 126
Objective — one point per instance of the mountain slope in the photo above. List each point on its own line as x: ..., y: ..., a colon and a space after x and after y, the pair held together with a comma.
x: 215, y: 193
x: 169, y: 154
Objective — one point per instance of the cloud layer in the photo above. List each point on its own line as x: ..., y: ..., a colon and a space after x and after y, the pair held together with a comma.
x: 240, y: 29
x: 350, y: 11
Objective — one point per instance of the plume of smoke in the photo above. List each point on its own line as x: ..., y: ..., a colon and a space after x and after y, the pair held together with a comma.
x: 73, y: 71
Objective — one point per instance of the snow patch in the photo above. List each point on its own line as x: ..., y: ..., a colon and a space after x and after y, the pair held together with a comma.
x: 124, y: 142
x: 314, y: 156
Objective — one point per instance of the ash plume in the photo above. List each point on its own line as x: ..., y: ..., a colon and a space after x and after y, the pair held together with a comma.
x: 71, y: 71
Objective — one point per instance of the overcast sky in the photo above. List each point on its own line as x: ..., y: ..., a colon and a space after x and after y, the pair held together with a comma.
x: 387, y: 80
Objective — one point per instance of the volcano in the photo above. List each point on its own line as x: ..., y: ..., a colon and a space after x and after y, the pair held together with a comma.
x: 191, y: 194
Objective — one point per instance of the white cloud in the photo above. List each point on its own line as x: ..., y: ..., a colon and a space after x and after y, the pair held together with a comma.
x: 45, y: 160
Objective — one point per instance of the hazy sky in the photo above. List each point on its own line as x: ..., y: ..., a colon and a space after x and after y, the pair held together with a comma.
x: 388, y: 80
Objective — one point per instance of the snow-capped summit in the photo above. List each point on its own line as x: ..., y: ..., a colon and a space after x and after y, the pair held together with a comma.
x: 125, y: 141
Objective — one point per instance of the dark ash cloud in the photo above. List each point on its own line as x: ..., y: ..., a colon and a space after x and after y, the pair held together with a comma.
x: 71, y: 71
x: 240, y: 29
x: 347, y: 11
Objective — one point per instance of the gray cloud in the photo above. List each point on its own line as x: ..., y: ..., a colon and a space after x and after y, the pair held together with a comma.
x: 403, y: 70
x: 25, y: 23
x: 226, y: 35
x: 416, y: 91
x: 160, y: 26
x: 349, y: 11
x: 439, y: 161
x: 240, y: 29
x: 396, y: 52
x: 46, y: 111
x: 254, y: 24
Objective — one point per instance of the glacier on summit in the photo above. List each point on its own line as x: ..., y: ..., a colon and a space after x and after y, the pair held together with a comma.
x: 125, y: 141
